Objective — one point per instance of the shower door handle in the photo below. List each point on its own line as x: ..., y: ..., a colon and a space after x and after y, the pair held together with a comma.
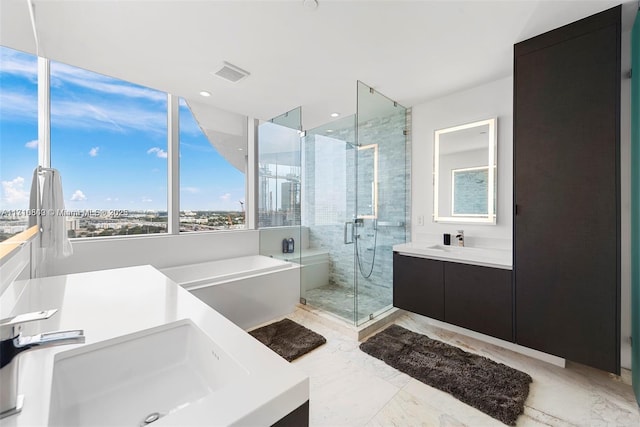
x: 348, y: 232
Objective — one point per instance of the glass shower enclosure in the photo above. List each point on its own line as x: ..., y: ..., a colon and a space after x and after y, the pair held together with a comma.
x: 354, y: 197
x: 339, y: 191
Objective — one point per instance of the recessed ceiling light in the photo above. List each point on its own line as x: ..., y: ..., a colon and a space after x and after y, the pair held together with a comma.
x: 334, y: 114
x: 240, y: 149
x: 329, y: 130
x: 205, y: 93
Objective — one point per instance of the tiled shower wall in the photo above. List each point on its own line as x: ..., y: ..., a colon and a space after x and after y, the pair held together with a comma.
x: 329, y: 202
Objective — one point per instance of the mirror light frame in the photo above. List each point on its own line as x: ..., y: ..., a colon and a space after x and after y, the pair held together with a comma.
x: 490, y: 218
x: 374, y: 190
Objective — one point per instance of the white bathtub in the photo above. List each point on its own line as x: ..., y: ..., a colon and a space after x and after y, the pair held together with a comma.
x: 247, y: 290
x: 314, y: 263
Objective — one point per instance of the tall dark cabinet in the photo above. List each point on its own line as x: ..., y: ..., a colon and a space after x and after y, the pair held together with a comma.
x: 567, y: 191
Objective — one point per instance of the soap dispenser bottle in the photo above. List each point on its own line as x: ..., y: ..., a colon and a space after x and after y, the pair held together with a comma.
x: 460, y: 237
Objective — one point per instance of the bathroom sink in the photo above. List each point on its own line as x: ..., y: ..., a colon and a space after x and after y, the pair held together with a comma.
x: 439, y: 248
x: 147, y: 375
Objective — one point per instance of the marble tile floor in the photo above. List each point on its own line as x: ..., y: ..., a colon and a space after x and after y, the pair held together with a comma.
x: 339, y: 301
x: 351, y: 388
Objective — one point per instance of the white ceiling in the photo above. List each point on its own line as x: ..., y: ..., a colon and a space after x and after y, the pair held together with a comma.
x: 411, y: 51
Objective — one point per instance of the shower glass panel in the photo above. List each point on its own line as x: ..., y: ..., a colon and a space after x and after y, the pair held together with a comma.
x: 279, y: 195
x: 279, y: 171
x: 635, y: 206
x: 380, y: 199
x: 353, y: 206
x: 329, y: 156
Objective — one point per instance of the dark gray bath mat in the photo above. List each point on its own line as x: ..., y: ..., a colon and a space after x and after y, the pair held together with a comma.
x: 493, y: 388
x: 288, y: 338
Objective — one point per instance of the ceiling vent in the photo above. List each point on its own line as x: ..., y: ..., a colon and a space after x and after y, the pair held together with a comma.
x: 231, y: 72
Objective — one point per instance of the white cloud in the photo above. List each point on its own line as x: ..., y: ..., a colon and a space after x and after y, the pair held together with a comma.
x: 92, y: 115
x: 94, y: 151
x: 67, y: 74
x: 18, y: 63
x: 16, y: 105
x: 158, y: 151
x: 78, y: 196
x: 192, y: 190
x: 146, y: 200
x: 111, y: 199
x: 117, y: 105
x: 110, y: 104
x: 108, y: 113
x: 226, y: 197
x: 32, y: 144
x: 13, y: 192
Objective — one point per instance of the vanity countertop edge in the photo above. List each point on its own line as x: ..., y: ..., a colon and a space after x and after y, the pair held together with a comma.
x: 484, y: 257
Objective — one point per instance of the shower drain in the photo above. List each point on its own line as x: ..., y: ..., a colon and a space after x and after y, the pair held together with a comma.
x: 154, y: 416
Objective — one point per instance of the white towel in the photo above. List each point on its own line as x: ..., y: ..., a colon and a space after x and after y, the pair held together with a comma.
x: 53, y: 238
x: 34, y: 198
x: 54, y: 235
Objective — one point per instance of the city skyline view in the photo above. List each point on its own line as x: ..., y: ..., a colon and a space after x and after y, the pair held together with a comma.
x: 109, y: 142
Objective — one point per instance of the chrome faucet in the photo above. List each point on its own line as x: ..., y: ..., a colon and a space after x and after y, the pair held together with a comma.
x: 13, y: 343
x: 460, y: 237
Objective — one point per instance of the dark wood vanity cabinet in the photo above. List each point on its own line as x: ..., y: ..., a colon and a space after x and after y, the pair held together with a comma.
x: 418, y: 285
x: 470, y: 296
x: 567, y: 191
x: 479, y: 298
x: 299, y: 417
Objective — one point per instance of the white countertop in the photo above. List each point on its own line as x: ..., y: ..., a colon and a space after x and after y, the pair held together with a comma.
x: 111, y: 303
x: 485, y: 257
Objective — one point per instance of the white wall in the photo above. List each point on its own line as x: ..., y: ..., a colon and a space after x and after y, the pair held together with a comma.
x: 157, y: 250
x: 493, y: 99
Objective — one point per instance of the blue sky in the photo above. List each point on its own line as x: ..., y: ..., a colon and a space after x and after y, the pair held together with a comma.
x: 108, y: 140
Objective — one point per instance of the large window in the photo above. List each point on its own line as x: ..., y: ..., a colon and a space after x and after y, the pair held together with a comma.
x: 109, y: 141
x: 212, y: 168
x: 18, y: 137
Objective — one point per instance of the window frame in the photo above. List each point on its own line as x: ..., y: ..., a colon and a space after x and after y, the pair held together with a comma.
x: 173, y: 159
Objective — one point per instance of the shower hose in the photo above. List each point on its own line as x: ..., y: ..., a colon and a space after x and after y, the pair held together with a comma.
x: 375, y: 246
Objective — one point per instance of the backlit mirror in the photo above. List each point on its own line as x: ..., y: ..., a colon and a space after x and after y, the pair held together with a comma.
x: 464, y: 173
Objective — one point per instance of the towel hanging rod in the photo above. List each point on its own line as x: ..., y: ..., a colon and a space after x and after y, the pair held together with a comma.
x: 42, y: 169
